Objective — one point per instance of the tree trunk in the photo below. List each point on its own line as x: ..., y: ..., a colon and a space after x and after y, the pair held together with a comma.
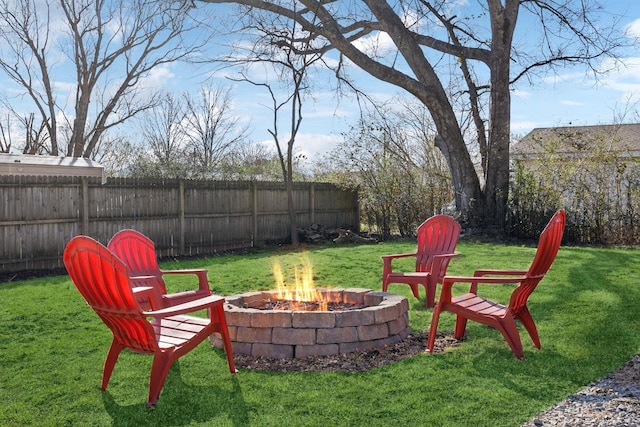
x: 496, y: 174
x: 293, y: 222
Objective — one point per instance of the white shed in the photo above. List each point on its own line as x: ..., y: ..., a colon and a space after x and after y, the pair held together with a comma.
x: 35, y: 165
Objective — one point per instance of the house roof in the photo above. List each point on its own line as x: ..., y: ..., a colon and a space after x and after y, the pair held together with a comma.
x: 573, y: 139
x: 23, y: 164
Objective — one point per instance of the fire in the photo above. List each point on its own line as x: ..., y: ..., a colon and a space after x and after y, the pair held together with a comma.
x: 303, y: 289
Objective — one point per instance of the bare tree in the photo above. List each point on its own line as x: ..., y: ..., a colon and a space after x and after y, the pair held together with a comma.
x: 107, y: 47
x: 116, y: 153
x: 162, y: 134
x: 251, y: 162
x: 36, y: 137
x: 210, y: 129
x: 278, y: 48
x: 5, y: 136
x: 390, y: 158
x: 432, y: 40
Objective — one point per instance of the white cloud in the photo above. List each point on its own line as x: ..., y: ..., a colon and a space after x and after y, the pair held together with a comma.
x: 633, y: 29
x: 563, y: 78
x: 376, y: 45
x: 623, y: 78
x: 571, y: 103
x: 314, y: 145
x: 158, y: 77
x: 522, y: 94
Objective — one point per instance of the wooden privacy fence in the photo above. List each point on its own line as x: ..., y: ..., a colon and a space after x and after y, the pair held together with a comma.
x: 39, y: 215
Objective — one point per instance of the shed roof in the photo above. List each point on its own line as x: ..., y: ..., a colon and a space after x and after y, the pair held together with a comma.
x: 23, y: 164
x: 570, y: 139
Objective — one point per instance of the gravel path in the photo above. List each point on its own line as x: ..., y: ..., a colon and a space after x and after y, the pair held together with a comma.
x: 613, y: 401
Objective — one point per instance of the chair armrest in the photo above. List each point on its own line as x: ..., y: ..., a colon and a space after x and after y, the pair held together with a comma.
x: 480, y: 273
x: 386, y: 261
x: 144, y: 281
x: 197, y: 271
x: 393, y: 256
x: 203, y: 282
x: 449, y: 281
x: 187, y: 307
x: 150, y: 294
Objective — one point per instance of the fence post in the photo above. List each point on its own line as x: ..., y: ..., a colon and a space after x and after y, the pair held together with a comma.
x: 312, y: 203
x: 181, y: 219
x: 254, y: 234
x: 85, y: 206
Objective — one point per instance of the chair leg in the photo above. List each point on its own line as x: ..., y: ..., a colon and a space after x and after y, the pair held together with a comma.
x: 414, y: 290
x: 110, y: 362
x: 221, y: 319
x: 160, y: 367
x: 430, y: 300
x: 509, y: 331
x: 461, y: 327
x: 433, y: 330
x: 527, y: 321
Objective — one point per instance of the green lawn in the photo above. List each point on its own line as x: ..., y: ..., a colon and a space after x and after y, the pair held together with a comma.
x: 52, y: 347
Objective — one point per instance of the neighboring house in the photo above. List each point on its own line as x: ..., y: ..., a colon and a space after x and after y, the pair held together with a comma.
x: 36, y: 165
x: 592, y: 171
x: 573, y: 142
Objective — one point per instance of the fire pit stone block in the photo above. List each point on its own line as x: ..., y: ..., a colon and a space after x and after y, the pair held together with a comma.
x: 254, y: 335
x: 355, y: 318
x: 272, y: 351
x: 293, y: 336
x: 313, y: 319
x: 372, y: 332
x: 270, y: 319
x: 337, y: 335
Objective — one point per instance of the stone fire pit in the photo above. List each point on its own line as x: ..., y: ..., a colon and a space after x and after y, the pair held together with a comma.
x: 380, y: 319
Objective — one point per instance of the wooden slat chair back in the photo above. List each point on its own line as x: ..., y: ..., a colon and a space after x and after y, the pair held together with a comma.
x: 138, y: 252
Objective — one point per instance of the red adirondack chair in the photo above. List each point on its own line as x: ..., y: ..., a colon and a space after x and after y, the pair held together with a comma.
x: 138, y: 252
x: 471, y: 306
x: 103, y: 280
x: 437, y: 240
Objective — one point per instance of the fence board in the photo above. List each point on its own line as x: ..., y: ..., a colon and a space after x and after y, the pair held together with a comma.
x: 38, y: 215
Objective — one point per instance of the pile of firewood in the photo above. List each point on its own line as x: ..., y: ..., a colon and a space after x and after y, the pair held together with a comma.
x: 317, y: 234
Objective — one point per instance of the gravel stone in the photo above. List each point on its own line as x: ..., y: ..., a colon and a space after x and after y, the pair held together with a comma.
x: 613, y: 401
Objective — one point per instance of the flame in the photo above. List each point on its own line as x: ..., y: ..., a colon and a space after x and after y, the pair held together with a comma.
x: 303, y: 290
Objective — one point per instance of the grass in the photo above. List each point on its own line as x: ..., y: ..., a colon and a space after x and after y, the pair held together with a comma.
x: 52, y: 347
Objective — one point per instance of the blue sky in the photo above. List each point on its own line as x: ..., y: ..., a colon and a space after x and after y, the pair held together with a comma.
x: 574, y: 98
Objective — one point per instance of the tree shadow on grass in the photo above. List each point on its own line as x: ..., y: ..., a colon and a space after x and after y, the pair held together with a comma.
x: 181, y: 404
